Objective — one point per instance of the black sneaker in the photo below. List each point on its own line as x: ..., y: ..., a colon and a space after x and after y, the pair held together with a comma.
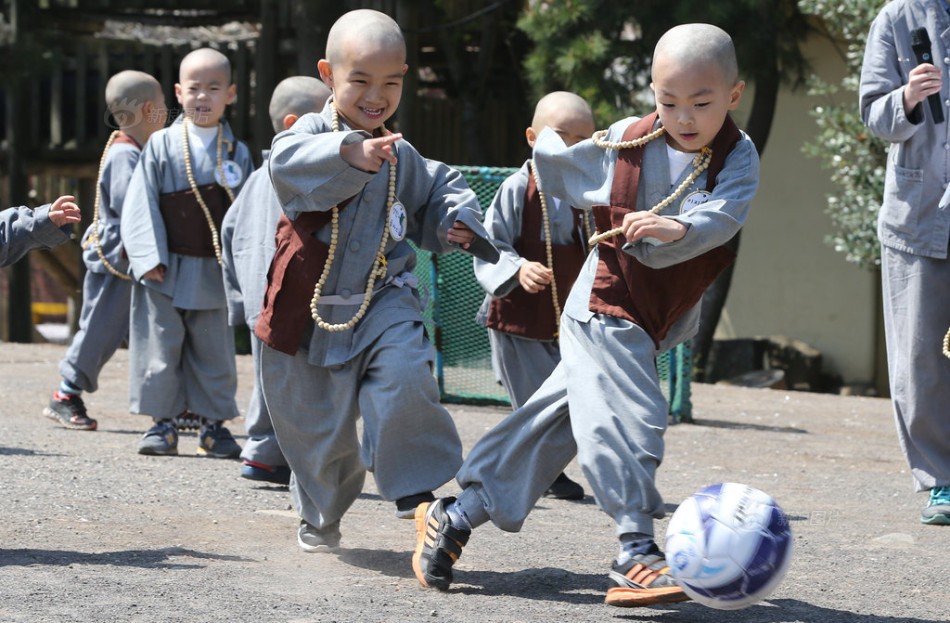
x: 406, y: 507
x: 644, y: 580
x: 563, y: 488
x: 217, y: 442
x: 68, y: 411
x: 312, y: 539
x: 438, y: 544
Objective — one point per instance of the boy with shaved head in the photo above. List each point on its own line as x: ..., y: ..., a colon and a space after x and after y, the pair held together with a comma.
x: 247, y: 245
x: 181, y: 349
x: 137, y: 105
x: 341, y: 325
x: 543, y: 244
x: 667, y: 191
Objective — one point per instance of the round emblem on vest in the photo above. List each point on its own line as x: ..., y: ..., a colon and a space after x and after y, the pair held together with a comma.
x: 229, y: 174
x: 694, y: 199
x: 397, y: 221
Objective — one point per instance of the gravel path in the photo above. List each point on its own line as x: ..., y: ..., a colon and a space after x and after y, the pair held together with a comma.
x: 91, y: 531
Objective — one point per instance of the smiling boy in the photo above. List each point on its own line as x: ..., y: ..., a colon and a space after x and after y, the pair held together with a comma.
x: 341, y: 325
x: 181, y: 349
x: 664, y: 208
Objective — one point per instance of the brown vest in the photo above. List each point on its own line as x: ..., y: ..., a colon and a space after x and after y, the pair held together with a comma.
x: 654, y: 298
x: 122, y: 137
x: 294, y: 271
x: 532, y: 315
x: 186, y: 227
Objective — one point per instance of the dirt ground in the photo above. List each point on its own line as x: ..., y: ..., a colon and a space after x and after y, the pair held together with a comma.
x: 91, y: 531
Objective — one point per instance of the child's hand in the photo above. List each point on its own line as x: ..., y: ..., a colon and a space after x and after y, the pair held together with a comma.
x: 370, y: 154
x: 460, y: 234
x: 156, y: 274
x: 64, y: 211
x: 637, y: 225
x: 534, y: 276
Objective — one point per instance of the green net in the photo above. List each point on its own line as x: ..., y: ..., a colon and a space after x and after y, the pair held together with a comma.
x: 463, y: 354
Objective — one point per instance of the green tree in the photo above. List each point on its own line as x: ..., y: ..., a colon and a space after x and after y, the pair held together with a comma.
x: 855, y: 158
x: 601, y: 50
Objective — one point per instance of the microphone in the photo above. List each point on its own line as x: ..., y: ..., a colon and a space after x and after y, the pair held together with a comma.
x: 920, y: 43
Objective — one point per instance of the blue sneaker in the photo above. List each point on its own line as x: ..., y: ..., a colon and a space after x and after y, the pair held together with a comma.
x: 160, y: 440
x: 937, y: 511
x: 277, y: 474
x: 216, y: 441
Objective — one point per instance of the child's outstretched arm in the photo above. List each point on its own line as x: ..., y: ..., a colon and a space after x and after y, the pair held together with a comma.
x: 22, y: 229
x: 64, y: 210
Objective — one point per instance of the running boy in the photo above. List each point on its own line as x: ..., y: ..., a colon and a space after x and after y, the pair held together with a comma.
x: 136, y: 102
x: 664, y: 208
x: 543, y: 243
x: 342, y: 326
x: 247, y: 245
x: 181, y: 349
x: 23, y: 229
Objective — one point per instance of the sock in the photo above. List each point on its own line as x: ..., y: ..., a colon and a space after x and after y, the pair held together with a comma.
x: 67, y: 388
x: 634, y: 543
x: 457, y: 517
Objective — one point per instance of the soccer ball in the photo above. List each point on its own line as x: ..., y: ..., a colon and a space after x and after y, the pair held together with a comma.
x: 728, y: 545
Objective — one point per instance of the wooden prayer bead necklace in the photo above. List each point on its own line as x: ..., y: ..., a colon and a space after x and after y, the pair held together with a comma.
x: 215, y: 239
x: 946, y: 344
x: 379, y: 265
x: 700, y: 164
x: 94, y: 229
x: 547, y: 245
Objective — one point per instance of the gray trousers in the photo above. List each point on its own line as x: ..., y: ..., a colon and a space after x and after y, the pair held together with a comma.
x: 409, y: 439
x: 521, y: 364
x: 916, y: 318
x: 103, y: 326
x: 603, y: 403
x: 261, y: 446
x: 180, y: 358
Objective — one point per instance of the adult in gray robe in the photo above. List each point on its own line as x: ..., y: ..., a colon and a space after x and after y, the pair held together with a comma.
x: 914, y: 231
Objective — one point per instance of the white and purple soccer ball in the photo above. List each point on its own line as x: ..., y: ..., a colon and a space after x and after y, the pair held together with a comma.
x: 728, y: 545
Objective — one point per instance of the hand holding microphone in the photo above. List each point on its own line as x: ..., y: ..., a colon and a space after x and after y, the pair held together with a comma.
x: 925, y: 79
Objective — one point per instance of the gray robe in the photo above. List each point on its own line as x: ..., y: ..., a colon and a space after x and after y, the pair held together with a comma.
x: 381, y: 370
x: 104, y: 318
x: 189, y: 364
x: 23, y: 229
x: 914, y: 230
x: 521, y: 364
x: 603, y: 402
x: 247, y: 248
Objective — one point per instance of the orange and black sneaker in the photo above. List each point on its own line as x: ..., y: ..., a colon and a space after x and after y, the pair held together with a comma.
x: 644, y: 580
x: 438, y: 544
x: 69, y: 411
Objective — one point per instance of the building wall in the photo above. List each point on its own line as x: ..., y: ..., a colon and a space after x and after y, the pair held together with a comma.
x: 788, y: 280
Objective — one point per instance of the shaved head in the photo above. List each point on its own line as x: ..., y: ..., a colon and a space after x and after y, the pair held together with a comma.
x: 128, y: 87
x: 364, y: 27
x: 696, y: 44
x: 205, y: 58
x: 297, y: 95
x: 560, y: 103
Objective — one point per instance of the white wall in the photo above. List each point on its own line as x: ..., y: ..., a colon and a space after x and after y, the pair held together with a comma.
x: 788, y: 280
